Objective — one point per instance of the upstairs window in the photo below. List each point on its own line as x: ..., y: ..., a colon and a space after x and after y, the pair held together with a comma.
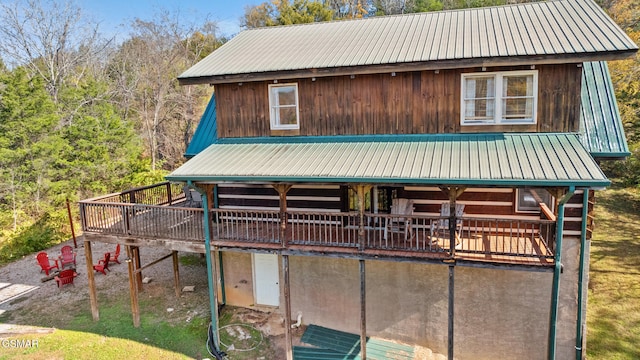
x: 283, y: 103
x: 505, y: 98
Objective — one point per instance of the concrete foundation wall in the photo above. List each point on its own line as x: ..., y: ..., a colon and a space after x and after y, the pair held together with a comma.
x: 499, y: 314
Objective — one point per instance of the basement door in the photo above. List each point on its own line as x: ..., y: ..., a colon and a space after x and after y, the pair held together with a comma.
x: 266, y: 279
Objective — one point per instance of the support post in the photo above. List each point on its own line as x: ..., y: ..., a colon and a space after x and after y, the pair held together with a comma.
x: 133, y: 290
x: 581, y: 275
x: 73, y: 232
x: 93, y: 297
x: 361, y: 190
x: 282, y: 190
x: 176, y: 273
x: 287, y: 307
x: 453, y: 193
x: 363, y: 312
x: 450, y: 310
x: 555, y: 290
x: 137, y: 265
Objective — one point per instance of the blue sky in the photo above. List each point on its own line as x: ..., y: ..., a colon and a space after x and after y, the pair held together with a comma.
x: 116, y: 14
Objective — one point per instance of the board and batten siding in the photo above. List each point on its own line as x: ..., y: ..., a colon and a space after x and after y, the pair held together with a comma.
x: 421, y: 102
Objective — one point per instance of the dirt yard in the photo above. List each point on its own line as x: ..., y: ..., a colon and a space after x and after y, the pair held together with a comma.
x: 26, y: 302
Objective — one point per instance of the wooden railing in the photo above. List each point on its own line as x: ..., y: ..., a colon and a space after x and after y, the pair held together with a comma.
x: 164, y: 193
x: 411, y: 233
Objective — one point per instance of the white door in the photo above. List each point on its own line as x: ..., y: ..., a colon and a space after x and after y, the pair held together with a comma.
x: 266, y: 279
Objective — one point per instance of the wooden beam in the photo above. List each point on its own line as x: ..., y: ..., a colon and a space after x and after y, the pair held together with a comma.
x: 363, y: 312
x: 93, y: 297
x: 139, y: 270
x: 361, y: 190
x: 136, y: 263
x: 169, y: 244
x: 176, y: 273
x: 287, y: 307
x: 133, y: 290
x: 282, y: 190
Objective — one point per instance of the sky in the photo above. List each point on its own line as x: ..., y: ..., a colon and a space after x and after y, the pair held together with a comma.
x: 115, y: 14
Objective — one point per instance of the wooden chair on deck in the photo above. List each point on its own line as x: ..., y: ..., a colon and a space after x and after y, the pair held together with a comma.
x: 45, y: 263
x: 440, y: 228
x: 399, y: 224
x: 103, y: 265
x: 65, y: 277
x: 68, y: 256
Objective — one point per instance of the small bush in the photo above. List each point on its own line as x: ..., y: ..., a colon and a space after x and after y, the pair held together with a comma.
x: 39, y: 236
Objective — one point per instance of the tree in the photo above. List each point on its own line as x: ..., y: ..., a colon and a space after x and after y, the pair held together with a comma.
x: 283, y: 12
x: 49, y: 37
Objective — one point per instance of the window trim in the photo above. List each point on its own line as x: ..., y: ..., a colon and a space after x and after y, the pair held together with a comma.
x: 530, y: 211
x: 498, y: 109
x: 273, y: 118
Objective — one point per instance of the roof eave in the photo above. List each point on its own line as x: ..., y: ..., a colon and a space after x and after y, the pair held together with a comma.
x: 402, y: 67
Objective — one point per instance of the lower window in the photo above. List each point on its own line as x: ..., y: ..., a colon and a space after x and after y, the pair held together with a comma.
x: 528, y: 200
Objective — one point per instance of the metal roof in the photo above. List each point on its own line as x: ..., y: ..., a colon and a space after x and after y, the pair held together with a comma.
x: 601, y: 129
x: 207, y: 131
x: 540, y: 159
x: 539, y: 32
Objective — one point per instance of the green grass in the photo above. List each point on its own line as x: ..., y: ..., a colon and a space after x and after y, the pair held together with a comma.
x: 613, y: 317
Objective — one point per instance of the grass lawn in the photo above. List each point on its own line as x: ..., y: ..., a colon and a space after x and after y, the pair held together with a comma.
x: 613, y: 317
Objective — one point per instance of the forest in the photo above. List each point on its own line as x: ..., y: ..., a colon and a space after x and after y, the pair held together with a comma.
x: 83, y: 113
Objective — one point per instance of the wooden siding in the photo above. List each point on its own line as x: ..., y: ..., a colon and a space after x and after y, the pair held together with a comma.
x: 409, y: 103
x: 321, y: 198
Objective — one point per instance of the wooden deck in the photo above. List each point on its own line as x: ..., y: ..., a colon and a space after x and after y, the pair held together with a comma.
x: 177, y: 227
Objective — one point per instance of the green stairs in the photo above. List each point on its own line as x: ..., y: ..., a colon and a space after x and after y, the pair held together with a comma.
x: 329, y: 344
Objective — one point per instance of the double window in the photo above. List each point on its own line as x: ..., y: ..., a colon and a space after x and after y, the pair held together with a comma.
x: 283, y: 103
x: 508, y: 97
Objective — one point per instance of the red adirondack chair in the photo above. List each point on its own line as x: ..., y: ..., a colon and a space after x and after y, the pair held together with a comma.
x: 65, y: 277
x: 103, y: 265
x: 68, y: 256
x: 45, y: 263
x: 114, y: 257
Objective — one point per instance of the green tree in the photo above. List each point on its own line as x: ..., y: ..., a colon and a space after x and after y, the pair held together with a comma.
x: 283, y: 12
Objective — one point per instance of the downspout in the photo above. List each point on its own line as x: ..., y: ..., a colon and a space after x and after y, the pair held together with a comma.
x: 222, y: 289
x: 555, y: 292
x: 213, y: 306
x: 583, y: 255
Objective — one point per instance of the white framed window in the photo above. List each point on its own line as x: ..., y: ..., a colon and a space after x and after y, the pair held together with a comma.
x: 528, y: 200
x: 283, y: 104
x: 506, y: 97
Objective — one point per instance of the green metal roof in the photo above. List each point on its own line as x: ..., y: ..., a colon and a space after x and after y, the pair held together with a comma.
x: 601, y: 129
x: 207, y: 131
x: 538, y: 32
x: 536, y: 159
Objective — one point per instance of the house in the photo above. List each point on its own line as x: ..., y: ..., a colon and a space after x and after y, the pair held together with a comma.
x: 427, y: 178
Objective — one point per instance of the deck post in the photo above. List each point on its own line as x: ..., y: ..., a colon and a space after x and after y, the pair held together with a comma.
x: 363, y: 312
x: 282, y: 190
x: 361, y: 190
x: 176, y: 272
x: 450, y: 310
x: 287, y: 307
x: 133, y: 290
x: 453, y: 193
x: 137, y: 264
x: 93, y: 297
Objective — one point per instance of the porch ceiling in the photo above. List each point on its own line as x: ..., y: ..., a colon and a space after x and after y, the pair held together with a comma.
x: 540, y: 159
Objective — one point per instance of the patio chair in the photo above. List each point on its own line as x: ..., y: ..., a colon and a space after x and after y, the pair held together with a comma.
x: 114, y: 256
x: 68, y: 256
x: 65, y: 277
x: 45, y: 262
x: 103, y: 265
x: 193, y: 198
x: 440, y: 228
x: 399, y: 224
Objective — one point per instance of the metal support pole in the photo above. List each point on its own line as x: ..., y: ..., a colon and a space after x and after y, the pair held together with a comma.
x: 363, y: 312
x: 287, y: 307
x: 450, y: 309
x: 581, y: 275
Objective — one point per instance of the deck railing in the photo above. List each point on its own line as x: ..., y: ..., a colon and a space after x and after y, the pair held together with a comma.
x: 411, y: 233
x: 164, y: 193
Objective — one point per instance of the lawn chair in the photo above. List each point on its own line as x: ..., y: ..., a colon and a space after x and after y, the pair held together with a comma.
x: 103, y: 265
x: 440, y: 228
x: 68, y: 256
x: 45, y: 263
x: 114, y: 257
x: 399, y: 224
x: 193, y: 198
x: 65, y: 277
